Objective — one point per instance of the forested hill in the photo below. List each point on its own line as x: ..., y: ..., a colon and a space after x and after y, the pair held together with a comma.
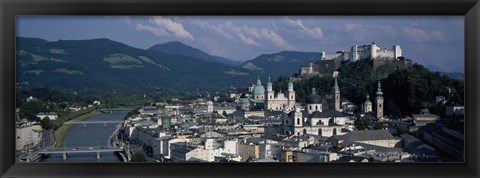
x: 103, y: 64
x: 406, y: 91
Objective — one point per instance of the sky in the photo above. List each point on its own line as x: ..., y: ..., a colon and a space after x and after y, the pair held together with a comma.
x: 428, y: 40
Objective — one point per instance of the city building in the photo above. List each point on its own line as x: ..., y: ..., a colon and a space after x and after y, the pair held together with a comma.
x: 380, y: 138
x: 280, y: 102
x: 424, y: 118
x: 27, y: 135
x: 51, y: 115
x: 454, y: 109
x: 262, y: 99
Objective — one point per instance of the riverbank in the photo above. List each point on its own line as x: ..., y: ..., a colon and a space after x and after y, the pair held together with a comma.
x: 62, y: 131
x: 111, y: 138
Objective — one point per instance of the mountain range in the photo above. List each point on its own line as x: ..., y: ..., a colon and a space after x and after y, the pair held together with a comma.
x: 101, y: 64
x: 105, y: 64
x: 178, y: 48
x: 454, y: 75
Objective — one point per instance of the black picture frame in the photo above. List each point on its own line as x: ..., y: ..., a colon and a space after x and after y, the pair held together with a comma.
x: 9, y: 9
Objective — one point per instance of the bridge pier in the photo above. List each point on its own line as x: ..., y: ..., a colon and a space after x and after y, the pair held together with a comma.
x: 64, y: 155
x: 84, y: 125
x: 104, y: 124
x: 98, y: 154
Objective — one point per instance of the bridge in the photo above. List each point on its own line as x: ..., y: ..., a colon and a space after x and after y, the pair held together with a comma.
x: 66, y: 151
x: 111, y: 110
x: 95, y: 122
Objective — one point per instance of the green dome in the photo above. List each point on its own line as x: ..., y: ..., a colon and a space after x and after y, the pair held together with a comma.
x: 290, y: 83
x: 259, y: 90
x: 368, y: 102
x: 269, y: 83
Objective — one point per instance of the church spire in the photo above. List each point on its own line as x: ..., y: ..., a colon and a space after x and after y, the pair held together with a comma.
x: 290, y: 84
x: 269, y: 84
x: 336, y: 92
x: 259, y: 83
x: 379, y: 90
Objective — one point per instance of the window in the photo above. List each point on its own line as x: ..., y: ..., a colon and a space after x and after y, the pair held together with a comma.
x: 298, y: 121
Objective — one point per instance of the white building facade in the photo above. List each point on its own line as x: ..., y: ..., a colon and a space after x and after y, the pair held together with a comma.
x: 357, y: 52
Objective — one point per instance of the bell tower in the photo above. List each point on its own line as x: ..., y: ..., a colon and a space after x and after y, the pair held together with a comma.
x: 379, y: 101
x: 336, y: 94
x: 291, y: 94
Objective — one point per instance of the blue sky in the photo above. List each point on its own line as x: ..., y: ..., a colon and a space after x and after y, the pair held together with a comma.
x: 428, y: 40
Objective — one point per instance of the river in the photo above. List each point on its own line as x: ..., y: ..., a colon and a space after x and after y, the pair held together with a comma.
x: 89, y: 135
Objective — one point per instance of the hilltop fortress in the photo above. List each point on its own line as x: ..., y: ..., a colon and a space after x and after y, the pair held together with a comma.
x: 330, y: 62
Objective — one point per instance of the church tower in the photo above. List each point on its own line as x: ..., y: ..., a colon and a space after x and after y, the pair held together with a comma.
x: 336, y: 93
x: 269, y: 90
x: 367, y: 106
x: 379, y: 101
x: 298, y: 117
x: 270, y: 95
x: 291, y: 94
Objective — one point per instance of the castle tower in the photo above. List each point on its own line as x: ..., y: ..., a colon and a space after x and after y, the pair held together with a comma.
x: 397, y: 51
x: 336, y: 93
x: 290, y: 94
x: 379, y: 101
x: 354, y: 53
x: 373, y: 50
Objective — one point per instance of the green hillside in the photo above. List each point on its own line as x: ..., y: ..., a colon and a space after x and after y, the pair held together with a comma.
x: 101, y: 64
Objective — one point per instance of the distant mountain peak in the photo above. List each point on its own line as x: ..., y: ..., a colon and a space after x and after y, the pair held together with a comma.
x: 179, y: 48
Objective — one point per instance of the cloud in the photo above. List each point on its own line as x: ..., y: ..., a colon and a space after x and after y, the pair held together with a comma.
x: 163, y: 27
x: 127, y: 20
x: 171, y: 26
x: 156, y: 31
x: 420, y: 35
x: 248, y: 35
x: 266, y: 34
x: 363, y: 32
x: 214, y: 28
x: 315, y: 33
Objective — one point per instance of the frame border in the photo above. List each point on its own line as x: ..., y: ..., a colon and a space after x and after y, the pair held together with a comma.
x: 470, y: 9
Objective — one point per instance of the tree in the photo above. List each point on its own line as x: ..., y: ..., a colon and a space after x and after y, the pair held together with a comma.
x: 139, y: 157
x: 379, y: 126
x: 360, y: 124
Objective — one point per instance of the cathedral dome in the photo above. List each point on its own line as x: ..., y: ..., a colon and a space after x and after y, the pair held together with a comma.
x: 314, y: 98
x: 259, y: 90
